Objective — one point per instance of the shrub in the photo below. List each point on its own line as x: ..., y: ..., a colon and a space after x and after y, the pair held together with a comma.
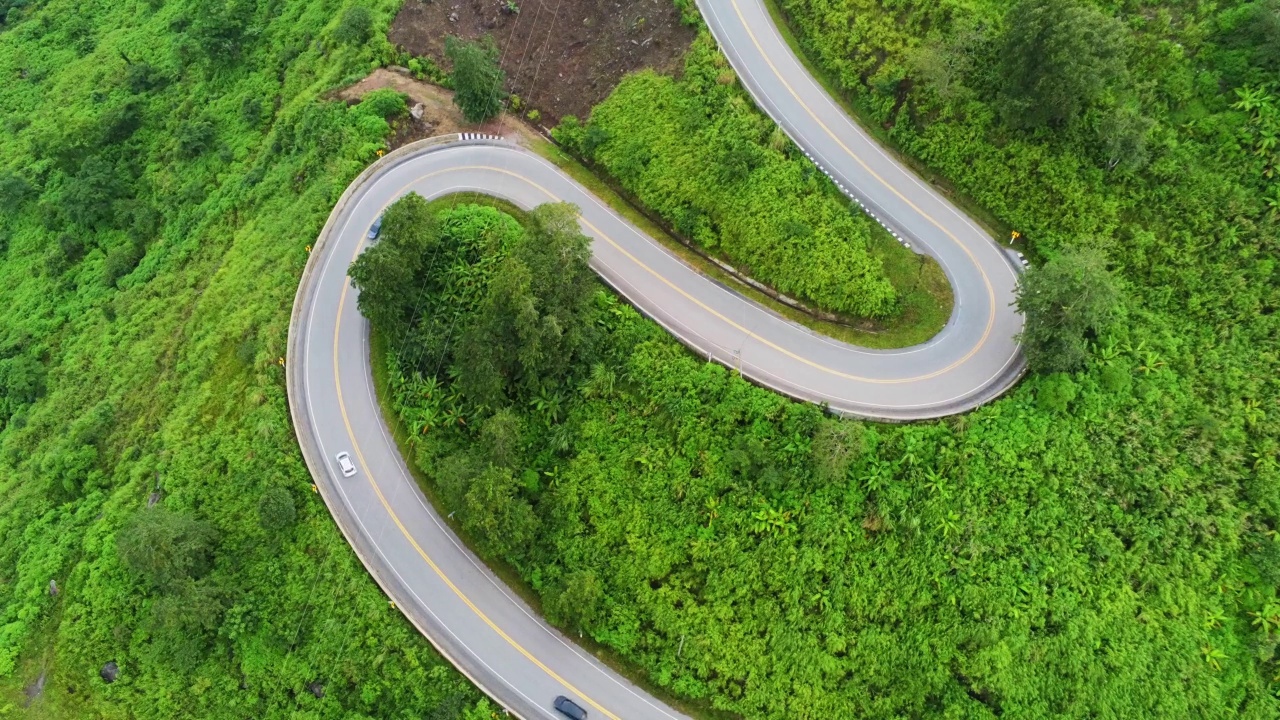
x: 477, y: 79
x: 276, y: 511
x: 355, y: 26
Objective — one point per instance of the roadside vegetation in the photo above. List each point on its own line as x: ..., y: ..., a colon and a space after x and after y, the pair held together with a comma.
x: 697, y: 152
x: 1100, y: 542
x: 734, y: 545
x: 476, y: 78
x: 163, y: 168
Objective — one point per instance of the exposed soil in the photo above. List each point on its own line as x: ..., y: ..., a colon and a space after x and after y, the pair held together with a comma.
x: 561, y: 56
x: 439, y: 115
x: 35, y: 689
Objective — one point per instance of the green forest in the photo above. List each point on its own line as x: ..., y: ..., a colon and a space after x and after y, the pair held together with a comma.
x: 163, y: 168
x: 1102, y: 542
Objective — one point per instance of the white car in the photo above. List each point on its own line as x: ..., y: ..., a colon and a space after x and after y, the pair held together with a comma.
x: 345, y: 465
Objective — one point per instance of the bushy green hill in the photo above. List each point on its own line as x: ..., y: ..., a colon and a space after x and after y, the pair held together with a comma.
x: 1096, y: 544
x: 163, y: 167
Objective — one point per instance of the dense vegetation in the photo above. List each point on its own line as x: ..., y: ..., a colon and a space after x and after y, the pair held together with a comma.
x: 162, y: 169
x: 1061, y: 552
x: 1066, y: 303
x: 1100, y: 543
x: 477, y: 79
x: 696, y: 151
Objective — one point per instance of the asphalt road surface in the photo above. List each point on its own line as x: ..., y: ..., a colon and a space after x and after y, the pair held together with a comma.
x: 453, y: 599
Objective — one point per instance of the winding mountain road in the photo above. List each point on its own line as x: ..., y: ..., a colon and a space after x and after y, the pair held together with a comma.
x: 468, y: 614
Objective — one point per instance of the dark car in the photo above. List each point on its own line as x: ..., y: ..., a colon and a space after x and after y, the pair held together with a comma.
x: 375, y: 228
x: 570, y: 708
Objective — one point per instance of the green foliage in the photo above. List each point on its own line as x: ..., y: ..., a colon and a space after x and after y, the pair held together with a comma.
x: 534, y: 323
x: 276, y: 511
x: 695, y: 151
x: 1067, y: 302
x: 195, y: 137
x: 387, y: 273
x: 735, y: 544
x: 477, y: 79
x: 14, y: 189
x: 162, y: 169
x: 220, y: 29
x: 1074, y: 549
x: 1058, y: 57
x: 22, y: 381
x: 384, y: 103
x: 89, y: 198
x: 1017, y: 560
x: 424, y: 68
x: 164, y: 549
x: 182, y: 623
x: 578, y: 603
x: 1056, y: 392
x: 120, y: 261
x: 10, y: 11
x: 1247, y: 42
x: 836, y: 445
x: 355, y: 26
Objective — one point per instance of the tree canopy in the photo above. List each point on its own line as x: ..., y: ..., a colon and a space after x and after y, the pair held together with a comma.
x: 1066, y: 302
x: 534, y: 321
x: 477, y: 79
x: 1057, y: 57
x: 388, y: 273
x: 355, y: 25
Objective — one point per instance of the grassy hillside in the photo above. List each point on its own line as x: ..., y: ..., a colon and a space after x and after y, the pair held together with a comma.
x: 163, y: 167
x: 1099, y: 544
x: 1096, y: 544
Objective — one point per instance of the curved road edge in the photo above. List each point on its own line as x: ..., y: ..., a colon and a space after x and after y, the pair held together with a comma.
x: 881, y: 184
x: 300, y: 415
x: 449, y: 595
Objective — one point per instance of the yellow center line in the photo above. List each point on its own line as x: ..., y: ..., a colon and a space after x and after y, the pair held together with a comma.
x: 405, y: 531
x: 342, y: 409
x: 729, y: 321
x: 991, y: 294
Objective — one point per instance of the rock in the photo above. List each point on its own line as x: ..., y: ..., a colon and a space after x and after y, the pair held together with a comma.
x: 417, y: 111
x: 53, y: 588
x: 399, y: 69
x: 109, y: 672
x: 316, y: 689
x: 35, y: 689
x: 153, y: 498
x: 453, y: 17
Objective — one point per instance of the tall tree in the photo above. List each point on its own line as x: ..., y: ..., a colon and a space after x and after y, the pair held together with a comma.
x: 355, y: 26
x: 536, y: 317
x: 387, y: 274
x: 1057, y: 58
x: 1068, y: 300
x: 477, y: 79
x: 165, y: 549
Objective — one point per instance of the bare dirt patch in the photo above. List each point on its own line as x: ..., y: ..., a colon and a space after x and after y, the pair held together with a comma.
x: 35, y: 689
x: 439, y: 115
x: 561, y: 56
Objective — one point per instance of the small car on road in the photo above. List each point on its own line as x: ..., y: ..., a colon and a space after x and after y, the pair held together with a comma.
x: 569, y: 708
x: 344, y: 464
x: 375, y: 228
